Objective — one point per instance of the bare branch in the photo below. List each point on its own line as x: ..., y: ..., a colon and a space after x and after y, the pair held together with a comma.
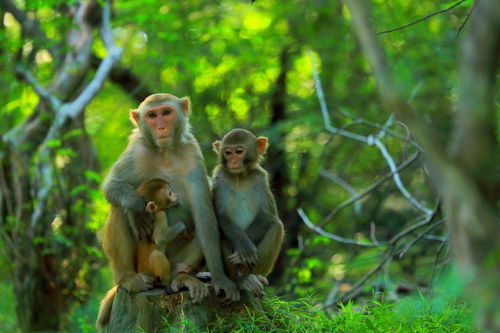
x: 329, y: 235
x: 397, y: 179
x: 421, y: 19
x: 464, y: 23
x: 324, y: 109
x: 359, y: 285
x: 72, y: 110
x: 346, y: 186
x: 388, y: 88
x: 372, y: 187
x: 50, y: 100
x: 388, y: 255
x: 370, y: 140
x: 389, y: 132
x: 78, y: 105
x: 419, y: 236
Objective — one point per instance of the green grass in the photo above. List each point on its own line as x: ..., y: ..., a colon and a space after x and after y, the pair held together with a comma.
x: 414, y: 314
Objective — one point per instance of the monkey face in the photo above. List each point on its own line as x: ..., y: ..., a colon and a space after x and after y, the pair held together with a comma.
x: 239, y: 150
x: 234, y: 157
x: 171, y: 196
x: 160, y: 122
x: 161, y: 117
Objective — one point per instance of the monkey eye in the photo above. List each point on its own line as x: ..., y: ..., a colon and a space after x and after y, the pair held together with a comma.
x: 166, y: 112
x: 227, y: 153
x: 240, y: 151
x: 152, y: 115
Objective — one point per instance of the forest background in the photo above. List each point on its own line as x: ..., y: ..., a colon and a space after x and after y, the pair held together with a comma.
x: 383, y: 128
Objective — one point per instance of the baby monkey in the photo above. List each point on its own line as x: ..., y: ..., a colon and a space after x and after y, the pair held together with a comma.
x: 246, y: 210
x: 151, y: 257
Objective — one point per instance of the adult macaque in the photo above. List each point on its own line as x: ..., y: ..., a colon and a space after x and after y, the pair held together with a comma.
x: 246, y: 209
x: 162, y: 146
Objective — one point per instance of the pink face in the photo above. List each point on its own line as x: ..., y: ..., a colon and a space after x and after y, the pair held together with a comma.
x: 234, y: 156
x: 161, y: 123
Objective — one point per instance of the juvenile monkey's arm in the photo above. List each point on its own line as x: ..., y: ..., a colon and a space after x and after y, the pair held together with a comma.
x: 269, y: 247
x: 245, y: 248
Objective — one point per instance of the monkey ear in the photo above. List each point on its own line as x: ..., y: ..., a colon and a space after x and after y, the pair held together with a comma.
x: 134, y: 117
x: 186, y: 105
x: 216, y: 146
x: 262, y: 144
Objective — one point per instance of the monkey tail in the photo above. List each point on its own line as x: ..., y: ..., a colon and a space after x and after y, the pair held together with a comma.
x: 105, y: 309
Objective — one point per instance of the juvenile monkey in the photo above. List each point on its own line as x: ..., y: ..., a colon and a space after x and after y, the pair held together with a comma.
x: 151, y: 257
x: 246, y: 209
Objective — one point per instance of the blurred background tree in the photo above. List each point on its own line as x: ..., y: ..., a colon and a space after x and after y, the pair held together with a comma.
x: 293, y: 71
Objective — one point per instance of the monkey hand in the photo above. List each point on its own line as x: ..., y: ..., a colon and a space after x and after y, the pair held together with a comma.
x: 197, y: 289
x: 142, y: 224
x: 254, y: 284
x: 137, y: 282
x: 230, y: 289
x: 245, y: 254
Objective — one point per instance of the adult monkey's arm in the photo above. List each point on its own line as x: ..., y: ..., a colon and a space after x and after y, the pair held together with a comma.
x: 207, y: 230
x: 124, y: 196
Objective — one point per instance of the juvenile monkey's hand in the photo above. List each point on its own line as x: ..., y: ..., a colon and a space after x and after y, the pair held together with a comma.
x: 231, y: 290
x: 245, y: 254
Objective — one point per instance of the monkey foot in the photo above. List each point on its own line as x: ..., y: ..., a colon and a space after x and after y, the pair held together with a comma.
x: 137, y: 282
x: 197, y: 289
x: 254, y: 284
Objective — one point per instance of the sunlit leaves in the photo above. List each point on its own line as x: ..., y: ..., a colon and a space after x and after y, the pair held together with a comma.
x: 256, y: 21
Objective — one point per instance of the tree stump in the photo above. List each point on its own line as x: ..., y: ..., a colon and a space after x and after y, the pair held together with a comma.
x: 156, y: 310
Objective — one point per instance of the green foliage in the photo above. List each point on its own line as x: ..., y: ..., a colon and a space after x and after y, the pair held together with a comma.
x: 226, y: 55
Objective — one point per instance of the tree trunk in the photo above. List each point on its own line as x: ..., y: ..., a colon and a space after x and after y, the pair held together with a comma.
x: 155, y: 311
x: 48, y: 174
x: 467, y: 174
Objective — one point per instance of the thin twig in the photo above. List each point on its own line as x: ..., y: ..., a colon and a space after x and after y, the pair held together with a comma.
x: 419, y: 236
x: 436, y: 258
x: 361, y: 282
x: 324, y: 108
x: 460, y: 28
x: 397, y: 179
x: 372, y: 187
x: 388, y: 254
x: 421, y: 19
x: 388, y: 131
x: 426, y: 219
x: 329, y: 235
x: 345, y: 185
